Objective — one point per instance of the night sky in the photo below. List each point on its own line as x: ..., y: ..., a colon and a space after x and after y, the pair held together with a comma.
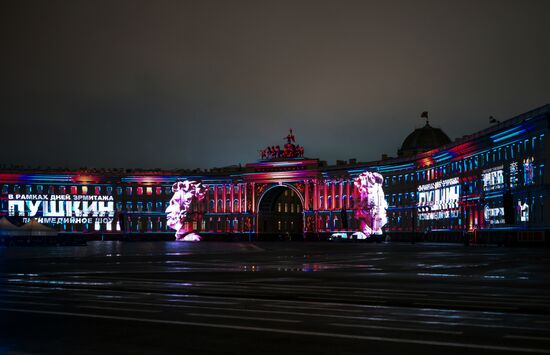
x: 200, y: 84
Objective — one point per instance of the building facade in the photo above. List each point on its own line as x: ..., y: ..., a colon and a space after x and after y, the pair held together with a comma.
x: 490, y: 183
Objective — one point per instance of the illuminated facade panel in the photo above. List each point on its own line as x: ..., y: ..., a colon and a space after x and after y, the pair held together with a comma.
x: 457, y: 188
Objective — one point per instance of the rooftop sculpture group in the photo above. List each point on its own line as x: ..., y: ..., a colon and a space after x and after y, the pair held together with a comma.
x: 290, y: 150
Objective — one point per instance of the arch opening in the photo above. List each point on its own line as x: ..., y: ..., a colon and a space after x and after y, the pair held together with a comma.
x: 280, y: 214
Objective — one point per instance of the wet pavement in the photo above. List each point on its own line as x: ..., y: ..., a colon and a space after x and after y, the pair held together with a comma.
x: 272, y: 298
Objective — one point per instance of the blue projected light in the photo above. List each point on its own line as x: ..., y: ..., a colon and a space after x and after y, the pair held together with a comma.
x: 442, y: 156
x: 508, y: 134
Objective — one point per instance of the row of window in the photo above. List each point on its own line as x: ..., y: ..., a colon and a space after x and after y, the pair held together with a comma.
x: 528, y: 210
x: 84, y: 190
x: 288, y: 207
x: 482, y: 160
x: 53, y: 189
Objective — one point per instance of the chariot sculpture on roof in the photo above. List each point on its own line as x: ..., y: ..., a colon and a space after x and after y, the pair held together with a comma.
x: 289, y: 150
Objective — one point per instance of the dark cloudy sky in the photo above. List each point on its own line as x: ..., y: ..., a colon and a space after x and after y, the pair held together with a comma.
x: 185, y: 84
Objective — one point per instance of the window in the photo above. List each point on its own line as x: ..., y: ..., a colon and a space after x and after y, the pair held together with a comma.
x: 129, y: 190
x: 119, y: 190
x: 62, y: 190
x: 528, y: 171
x: 109, y: 190
x: 74, y: 190
x: 149, y: 190
x: 97, y: 190
x: 139, y: 190
x: 513, y: 174
x: 84, y: 190
x: 158, y: 190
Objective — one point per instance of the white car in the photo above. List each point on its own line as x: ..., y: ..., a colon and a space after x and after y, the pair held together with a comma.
x: 342, y: 236
x: 359, y: 236
x: 338, y: 236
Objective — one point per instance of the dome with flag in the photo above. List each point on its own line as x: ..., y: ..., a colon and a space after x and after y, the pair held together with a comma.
x: 423, y: 139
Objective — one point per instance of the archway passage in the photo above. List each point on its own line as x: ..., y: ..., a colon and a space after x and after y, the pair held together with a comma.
x: 280, y: 215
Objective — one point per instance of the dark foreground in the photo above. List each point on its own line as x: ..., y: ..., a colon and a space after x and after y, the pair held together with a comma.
x: 274, y: 298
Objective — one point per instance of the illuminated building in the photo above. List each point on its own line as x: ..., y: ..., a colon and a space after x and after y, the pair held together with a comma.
x: 490, y: 184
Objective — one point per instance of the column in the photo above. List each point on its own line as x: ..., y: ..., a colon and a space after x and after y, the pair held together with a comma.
x: 245, y: 193
x: 333, y: 196
x: 325, y: 195
x: 224, y: 198
x: 306, y: 195
x: 232, y: 198
x: 216, y: 198
x: 348, y: 182
x: 253, y: 197
x: 315, y: 196
x: 341, y: 198
x: 240, y: 197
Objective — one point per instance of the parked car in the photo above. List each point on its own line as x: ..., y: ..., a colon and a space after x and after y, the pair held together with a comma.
x: 356, y: 236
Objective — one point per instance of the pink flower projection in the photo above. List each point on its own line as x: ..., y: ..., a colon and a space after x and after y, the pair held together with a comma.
x: 369, y: 203
x: 184, y: 192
